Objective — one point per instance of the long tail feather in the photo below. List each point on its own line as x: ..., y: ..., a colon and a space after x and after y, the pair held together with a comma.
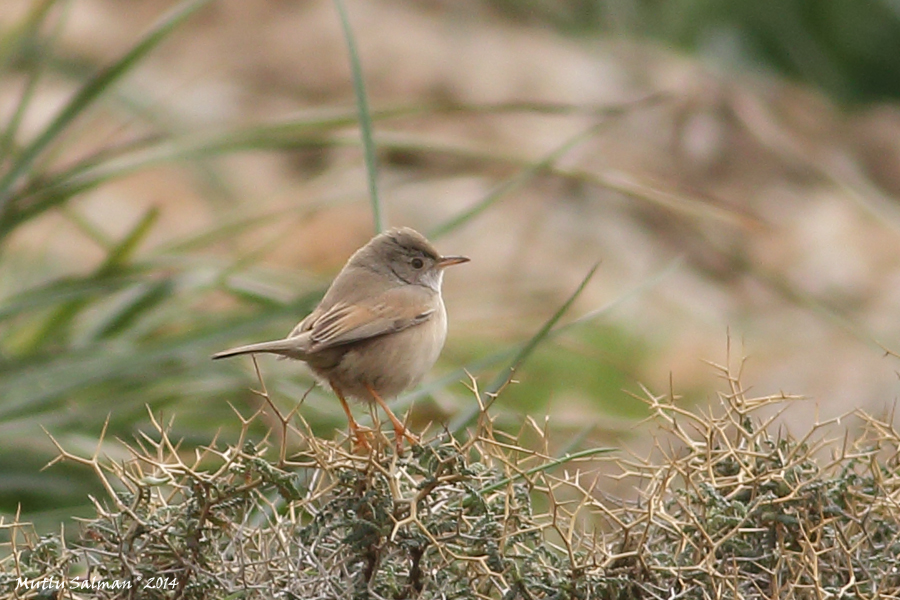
x: 289, y: 347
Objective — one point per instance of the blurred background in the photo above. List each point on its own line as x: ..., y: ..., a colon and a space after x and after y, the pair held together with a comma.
x: 177, y: 178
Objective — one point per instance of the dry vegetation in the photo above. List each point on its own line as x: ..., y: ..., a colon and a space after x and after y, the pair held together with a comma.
x: 727, y: 506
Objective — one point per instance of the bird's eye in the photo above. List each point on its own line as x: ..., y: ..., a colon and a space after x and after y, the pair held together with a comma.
x: 418, y: 263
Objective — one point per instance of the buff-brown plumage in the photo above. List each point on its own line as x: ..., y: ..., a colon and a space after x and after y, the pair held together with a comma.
x: 380, y: 326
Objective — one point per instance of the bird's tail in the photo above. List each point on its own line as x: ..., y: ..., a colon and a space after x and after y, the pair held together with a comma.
x: 289, y: 347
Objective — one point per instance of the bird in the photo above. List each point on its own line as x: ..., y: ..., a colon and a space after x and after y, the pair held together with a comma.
x: 379, y: 328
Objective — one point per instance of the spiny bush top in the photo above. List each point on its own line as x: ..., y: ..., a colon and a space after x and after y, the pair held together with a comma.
x: 724, y: 507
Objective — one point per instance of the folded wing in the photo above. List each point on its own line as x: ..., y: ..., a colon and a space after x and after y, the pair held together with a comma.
x: 345, y: 323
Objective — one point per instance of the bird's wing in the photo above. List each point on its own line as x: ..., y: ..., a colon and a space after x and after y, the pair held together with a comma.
x: 389, y: 312
x: 305, y: 324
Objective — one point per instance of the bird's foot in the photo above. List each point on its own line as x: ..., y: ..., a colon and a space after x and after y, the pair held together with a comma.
x: 361, y: 437
x: 401, y: 432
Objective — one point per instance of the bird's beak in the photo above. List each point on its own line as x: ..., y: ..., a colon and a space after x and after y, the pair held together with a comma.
x: 447, y: 261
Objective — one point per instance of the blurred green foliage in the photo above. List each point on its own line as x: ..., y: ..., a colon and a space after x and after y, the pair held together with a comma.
x: 848, y: 48
x: 596, y: 362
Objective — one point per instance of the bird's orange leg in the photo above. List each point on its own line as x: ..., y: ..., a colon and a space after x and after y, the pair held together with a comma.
x: 356, y: 432
x: 400, y: 430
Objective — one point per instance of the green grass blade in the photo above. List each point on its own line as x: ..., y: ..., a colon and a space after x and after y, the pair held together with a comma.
x: 43, y: 382
x: 507, y: 354
x: 513, y: 183
x: 365, y: 119
x: 93, y: 172
x: 490, y: 393
x: 56, y: 326
x: 13, y: 38
x: 307, y: 132
x: 90, y: 92
x: 143, y: 298
x: 123, y: 252
x: 61, y: 291
x: 28, y: 32
x: 544, y: 467
x: 538, y: 337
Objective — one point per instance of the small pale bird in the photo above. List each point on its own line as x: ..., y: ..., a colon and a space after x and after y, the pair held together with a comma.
x: 380, y: 326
